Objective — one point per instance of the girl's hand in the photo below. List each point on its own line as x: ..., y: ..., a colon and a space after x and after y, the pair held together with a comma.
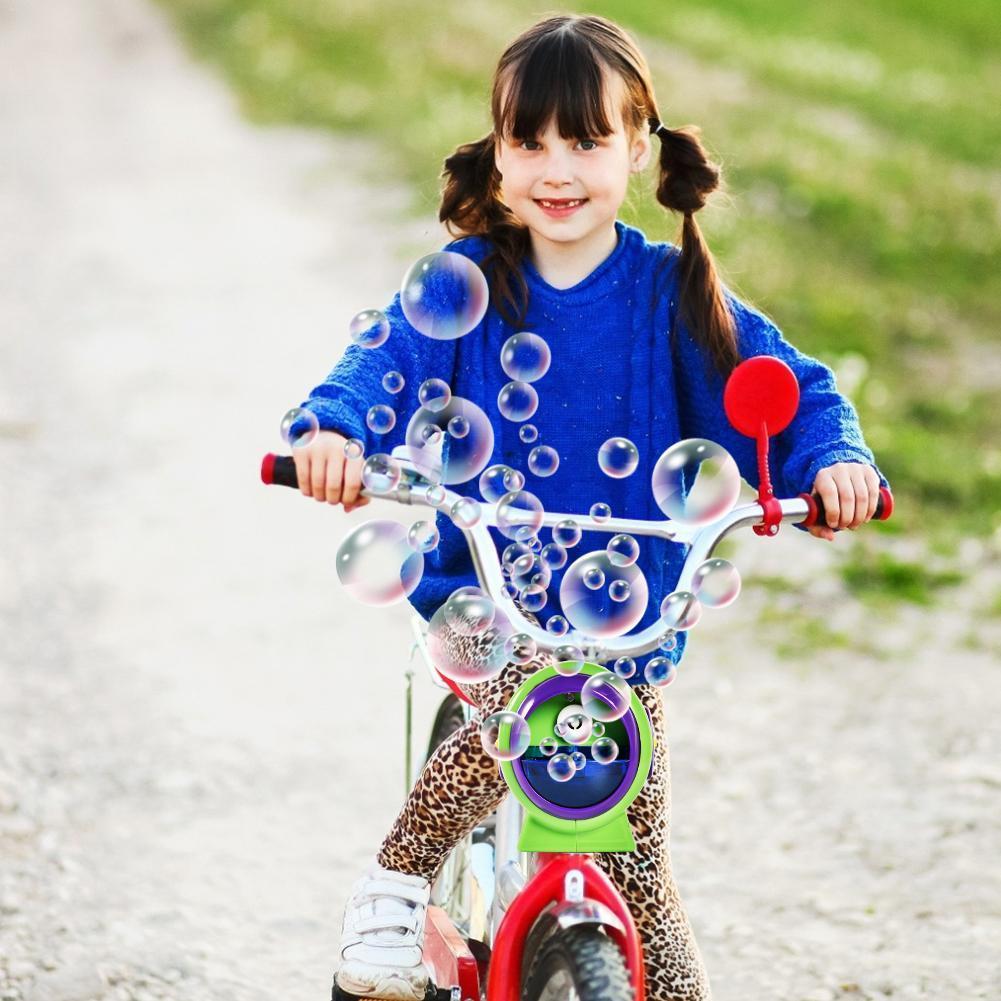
x: 327, y: 474
x: 850, y: 491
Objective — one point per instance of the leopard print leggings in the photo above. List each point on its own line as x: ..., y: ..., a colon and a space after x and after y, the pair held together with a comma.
x: 461, y: 784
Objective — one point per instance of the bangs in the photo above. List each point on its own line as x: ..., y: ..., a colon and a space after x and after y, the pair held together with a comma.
x: 560, y: 77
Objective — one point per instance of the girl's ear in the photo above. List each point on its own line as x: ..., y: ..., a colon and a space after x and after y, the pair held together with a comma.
x: 640, y: 152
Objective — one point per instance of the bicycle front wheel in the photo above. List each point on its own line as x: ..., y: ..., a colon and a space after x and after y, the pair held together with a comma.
x: 580, y: 963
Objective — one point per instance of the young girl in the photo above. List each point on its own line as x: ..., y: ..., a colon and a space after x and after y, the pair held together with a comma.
x: 642, y: 336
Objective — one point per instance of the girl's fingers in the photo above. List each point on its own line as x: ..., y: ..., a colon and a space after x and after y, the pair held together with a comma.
x: 862, y: 498
x: 872, y: 479
x: 334, y: 478
x: 827, y: 489
x: 846, y: 498
x: 352, y: 483
x: 301, y: 457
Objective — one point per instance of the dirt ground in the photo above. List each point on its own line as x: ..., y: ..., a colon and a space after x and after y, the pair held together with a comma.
x: 200, y: 734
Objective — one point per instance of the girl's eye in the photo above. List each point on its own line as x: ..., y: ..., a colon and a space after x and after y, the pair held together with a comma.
x: 593, y: 142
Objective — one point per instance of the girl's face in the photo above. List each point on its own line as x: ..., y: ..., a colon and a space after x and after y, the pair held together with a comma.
x: 570, y: 190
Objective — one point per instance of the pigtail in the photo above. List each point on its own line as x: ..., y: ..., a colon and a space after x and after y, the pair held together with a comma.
x: 687, y: 178
x: 471, y: 206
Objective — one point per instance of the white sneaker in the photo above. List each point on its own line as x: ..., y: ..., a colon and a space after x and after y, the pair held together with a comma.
x: 383, y: 936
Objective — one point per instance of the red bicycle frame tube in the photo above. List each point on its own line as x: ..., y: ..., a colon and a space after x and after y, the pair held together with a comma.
x: 547, y: 887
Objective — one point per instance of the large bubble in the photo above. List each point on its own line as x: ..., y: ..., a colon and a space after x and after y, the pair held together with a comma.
x: 594, y: 611
x: 618, y: 458
x: 369, y: 328
x: 695, y: 481
x: 505, y: 735
x: 462, y: 458
x: 444, y: 295
x: 716, y: 583
x: 525, y: 357
x: 519, y: 515
x: 605, y: 696
x: 466, y: 662
x: 376, y: 563
x: 517, y: 401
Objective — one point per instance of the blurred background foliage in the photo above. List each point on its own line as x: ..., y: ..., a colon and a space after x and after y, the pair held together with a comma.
x: 862, y: 203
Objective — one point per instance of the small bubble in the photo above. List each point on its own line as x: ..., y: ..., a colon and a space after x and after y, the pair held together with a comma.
x: 534, y: 598
x: 525, y: 356
x: 520, y: 648
x: 299, y: 427
x: 393, y: 382
x: 554, y: 556
x: 434, y: 394
x: 543, y: 460
x: 618, y: 458
x: 624, y: 667
x: 680, y: 610
x: 444, y: 295
x: 606, y: 696
x: 436, y: 494
x: 505, y: 735
x: 619, y: 590
x: 600, y: 512
x: 381, y: 473
x: 458, y: 426
x: 668, y: 641
x: 517, y: 401
x: 380, y: 419
x: 494, y: 482
x: 465, y: 512
x: 578, y: 759
x: 528, y: 433
x: 623, y: 550
x: 567, y: 533
x: 519, y: 515
x: 660, y: 671
x: 548, y: 746
x: 369, y: 328
x: 604, y: 751
x: 423, y: 536
x: 557, y: 625
x: 695, y: 482
x: 716, y: 583
x: 593, y: 578
x: 560, y: 768
x: 354, y: 448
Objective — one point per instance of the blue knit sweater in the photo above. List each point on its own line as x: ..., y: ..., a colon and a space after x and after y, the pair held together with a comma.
x: 613, y: 373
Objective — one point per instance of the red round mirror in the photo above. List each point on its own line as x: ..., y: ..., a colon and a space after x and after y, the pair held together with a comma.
x: 761, y: 390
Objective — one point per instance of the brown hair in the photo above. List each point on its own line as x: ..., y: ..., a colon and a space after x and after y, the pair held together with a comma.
x: 557, y: 68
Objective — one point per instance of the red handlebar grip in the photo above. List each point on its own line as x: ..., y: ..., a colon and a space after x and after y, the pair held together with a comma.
x: 884, y: 508
x: 268, y: 469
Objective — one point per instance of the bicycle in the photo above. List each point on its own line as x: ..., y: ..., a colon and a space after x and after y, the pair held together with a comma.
x: 520, y: 909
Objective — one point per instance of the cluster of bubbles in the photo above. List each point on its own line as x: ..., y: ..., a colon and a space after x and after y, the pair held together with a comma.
x: 603, y: 593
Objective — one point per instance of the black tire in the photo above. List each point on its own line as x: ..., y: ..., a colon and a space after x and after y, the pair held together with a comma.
x: 447, y: 720
x: 582, y: 962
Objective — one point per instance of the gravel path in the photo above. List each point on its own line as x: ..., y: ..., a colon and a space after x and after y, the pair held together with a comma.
x: 190, y: 772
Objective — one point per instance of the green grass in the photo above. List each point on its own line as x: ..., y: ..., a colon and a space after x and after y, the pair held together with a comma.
x: 859, y: 144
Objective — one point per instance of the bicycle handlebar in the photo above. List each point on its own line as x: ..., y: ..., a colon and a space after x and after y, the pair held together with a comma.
x: 412, y: 489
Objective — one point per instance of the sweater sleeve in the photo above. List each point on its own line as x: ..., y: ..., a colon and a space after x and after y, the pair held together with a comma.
x: 343, y: 399
x: 824, y: 431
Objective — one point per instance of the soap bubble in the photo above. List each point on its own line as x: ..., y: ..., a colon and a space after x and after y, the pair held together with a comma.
x: 604, y: 751
x: 512, y: 552
x: 469, y: 662
x: 463, y: 458
x: 510, y: 590
x: 594, y: 612
x: 578, y: 759
x: 423, y: 536
x: 574, y: 728
x: 534, y: 598
x: 465, y: 512
x: 444, y: 295
x: 548, y: 746
x: 668, y: 642
x: 381, y: 473
x: 517, y: 401
x: 497, y: 480
x: 525, y: 357
x: 566, y: 533
x: 469, y: 612
x: 660, y: 671
x: 529, y: 571
x: 393, y: 382
x: 434, y: 394
x: 716, y: 583
x: 520, y: 648
x: 680, y: 610
x: 299, y: 427
x: 519, y: 515
x: 593, y: 578
x: 380, y: 419
x: 376, y: 564
x: 606, y: 696
x: 369, y: 328
x: 624, y: 667
x: 597, y: 729
x: 436, y: 494
x: 561, y: 768
x: 623, y: 550
x: 557, y: 625
x: 534, y: 543
x: 618, y: 458
x: 695, y: 482
x: 619, y: 590
x: 354, y: 448
x: 568, y: 659
x: 528, y: 433
x: 543, y: 460
x: 505, y: 735
x: 600, y: 512
x: 554, y: 556
x: 458, y: 427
